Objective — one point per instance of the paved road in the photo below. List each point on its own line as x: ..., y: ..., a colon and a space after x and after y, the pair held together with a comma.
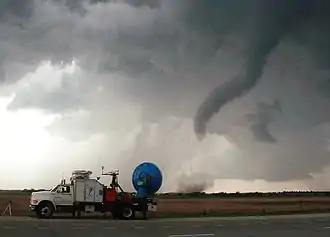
x: 284, y: 226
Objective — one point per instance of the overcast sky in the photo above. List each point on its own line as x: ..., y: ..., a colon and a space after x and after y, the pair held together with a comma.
x: 222, y: 95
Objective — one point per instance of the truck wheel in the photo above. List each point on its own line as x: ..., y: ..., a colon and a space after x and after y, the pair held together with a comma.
x: 45, y: 210
x: 127, y: 212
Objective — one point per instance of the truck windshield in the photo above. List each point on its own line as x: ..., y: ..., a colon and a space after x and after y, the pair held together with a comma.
x: 54, y: 189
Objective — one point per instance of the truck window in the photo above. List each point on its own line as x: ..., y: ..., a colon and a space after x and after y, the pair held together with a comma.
x: 66, y: 189
x: 54, y: 189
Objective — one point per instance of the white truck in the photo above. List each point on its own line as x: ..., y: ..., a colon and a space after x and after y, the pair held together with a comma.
x: 84, y: 194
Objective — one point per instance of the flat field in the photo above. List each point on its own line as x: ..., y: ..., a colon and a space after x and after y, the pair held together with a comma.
x: 215, y: 206
x: 242, y: 206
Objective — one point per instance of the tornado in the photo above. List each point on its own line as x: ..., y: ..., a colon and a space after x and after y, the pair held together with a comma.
x: 270, y: 22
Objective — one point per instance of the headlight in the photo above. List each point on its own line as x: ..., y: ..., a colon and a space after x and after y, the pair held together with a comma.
x: 35, y: 202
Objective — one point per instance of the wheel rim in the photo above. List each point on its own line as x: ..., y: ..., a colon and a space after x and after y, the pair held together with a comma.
x: 127, y: 212
x: 45, y: 211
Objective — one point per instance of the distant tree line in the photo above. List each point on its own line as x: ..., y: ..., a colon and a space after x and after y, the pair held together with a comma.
x: 246, y: 195
x: 29, y: 191
x: 23, y: 192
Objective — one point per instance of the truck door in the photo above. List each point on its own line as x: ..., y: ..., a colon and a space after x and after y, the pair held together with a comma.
x: 64, y: 196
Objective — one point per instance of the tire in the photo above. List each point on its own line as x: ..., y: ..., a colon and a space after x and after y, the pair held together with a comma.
x: 127, y: 212
x: 45, y: 210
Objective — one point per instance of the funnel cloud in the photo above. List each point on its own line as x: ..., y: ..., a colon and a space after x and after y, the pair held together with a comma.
x: 267, y: 24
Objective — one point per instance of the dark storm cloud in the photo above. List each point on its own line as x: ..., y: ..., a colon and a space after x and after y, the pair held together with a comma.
x: 160, y: 59
x: 262, y: 119
x: 21, y: 9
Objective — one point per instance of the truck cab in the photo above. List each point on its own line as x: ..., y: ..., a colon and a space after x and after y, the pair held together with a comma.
x: 45, y: 203
x: 63, y: 195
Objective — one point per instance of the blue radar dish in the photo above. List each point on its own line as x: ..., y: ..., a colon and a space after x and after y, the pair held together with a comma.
x: 147, y: 179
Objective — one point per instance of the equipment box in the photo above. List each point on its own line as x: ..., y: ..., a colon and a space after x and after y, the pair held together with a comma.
x: 152, y: 207
x: 88, y: 191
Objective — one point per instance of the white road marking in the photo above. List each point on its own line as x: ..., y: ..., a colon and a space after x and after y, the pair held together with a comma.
x: 138, y: 227
x: 8, y: 227
x: 167, y: 226
x: 43, y: 227
x: 196, y: 226
x: 109, y: 227
x: 327, y: 227
x: 296, y: 226
x: 220, y: 225
x: 192, y: 235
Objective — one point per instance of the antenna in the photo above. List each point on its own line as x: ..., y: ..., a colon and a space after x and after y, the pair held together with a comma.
x: 63, y: 179
x: 114, y: 181
x: 111, y: 173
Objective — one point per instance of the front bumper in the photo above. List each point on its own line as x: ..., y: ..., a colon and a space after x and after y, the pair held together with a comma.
x: 32, y: 207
